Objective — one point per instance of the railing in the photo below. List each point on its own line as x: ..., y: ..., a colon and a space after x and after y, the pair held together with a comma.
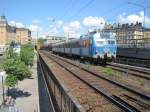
x: 63, y: 98
x: 134, y: 43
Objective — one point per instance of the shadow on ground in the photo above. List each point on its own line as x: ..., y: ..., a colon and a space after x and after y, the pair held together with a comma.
x: 44, y: 102
x: 15, y: 93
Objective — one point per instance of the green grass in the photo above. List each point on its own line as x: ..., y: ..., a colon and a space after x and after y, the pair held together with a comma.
x: 109, y: 71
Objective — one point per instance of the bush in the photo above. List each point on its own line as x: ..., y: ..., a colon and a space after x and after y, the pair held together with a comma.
x: 17, y: 66
x: 11, y: 80
x: 16, y: 70
x: 22, y: 71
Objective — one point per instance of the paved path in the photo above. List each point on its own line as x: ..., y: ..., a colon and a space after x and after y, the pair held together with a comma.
x: 28, y: 98
x: 31, y: 94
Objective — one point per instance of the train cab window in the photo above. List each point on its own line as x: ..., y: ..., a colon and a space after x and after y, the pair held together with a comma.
x: 100, y: 42
x: 111, y: 42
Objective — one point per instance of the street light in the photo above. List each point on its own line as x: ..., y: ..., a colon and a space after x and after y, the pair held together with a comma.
x: 3, y: 73
x: 144, y: 8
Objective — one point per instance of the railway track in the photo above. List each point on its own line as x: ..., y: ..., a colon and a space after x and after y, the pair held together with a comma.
x: 133, y: 70
x: 115, y: 92
x: 92, y: 101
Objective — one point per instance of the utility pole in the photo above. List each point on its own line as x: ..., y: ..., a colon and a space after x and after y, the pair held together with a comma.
x: 144, y: 9
x: 67, y: 37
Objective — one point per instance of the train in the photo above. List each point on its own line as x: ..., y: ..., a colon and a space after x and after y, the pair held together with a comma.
x: 97, y: 47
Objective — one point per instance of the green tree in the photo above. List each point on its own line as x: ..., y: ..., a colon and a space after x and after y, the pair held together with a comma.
x: 11, y: 80
x: 16, y: 70
x: 41, y: 41
x: 10, y: 52
x: 16, y: 66
x: 27, y: 54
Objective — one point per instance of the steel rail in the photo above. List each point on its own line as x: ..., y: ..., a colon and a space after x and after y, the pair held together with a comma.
x: 141, y: 94
x: 66, y: 91
x: 134, y: 68
x: 119, y: 104
x: 131, y: 72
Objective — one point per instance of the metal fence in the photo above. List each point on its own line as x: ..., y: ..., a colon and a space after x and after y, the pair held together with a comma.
x: 134, y: 43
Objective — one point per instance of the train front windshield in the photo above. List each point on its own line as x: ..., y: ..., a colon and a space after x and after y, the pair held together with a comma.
x: 107, y: 35
x: 104, y: 35
x: 112, y: 42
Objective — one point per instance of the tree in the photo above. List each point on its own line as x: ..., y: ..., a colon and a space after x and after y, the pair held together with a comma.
x: 16, y: 66
x: 16, y: 70
x: 40, y: 42
x: 27, y: 54
x: 11, y: 80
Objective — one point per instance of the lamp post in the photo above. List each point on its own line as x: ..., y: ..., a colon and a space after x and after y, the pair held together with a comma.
x: 144, y: 9
x: 2, y: 74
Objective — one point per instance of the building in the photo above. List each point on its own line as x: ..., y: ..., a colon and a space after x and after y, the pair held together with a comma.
x: 54, y: 39
x: 147, y: 33
x: 23, y: 35
x: 10, y: 33
x: 126, y: 33
x: 7, y: 32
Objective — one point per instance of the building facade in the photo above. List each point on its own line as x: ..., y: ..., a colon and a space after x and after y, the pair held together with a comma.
x: 54, y: 39
x: 147, y: 33
x: 10, y: 33
x: 7, y: 32
x: 23, y: 35
x: 126, y: 33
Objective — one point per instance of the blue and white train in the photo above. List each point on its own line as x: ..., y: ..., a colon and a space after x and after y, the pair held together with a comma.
x: 98, y: 47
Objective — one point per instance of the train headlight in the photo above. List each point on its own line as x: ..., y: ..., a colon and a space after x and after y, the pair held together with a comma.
x: 96, y: 51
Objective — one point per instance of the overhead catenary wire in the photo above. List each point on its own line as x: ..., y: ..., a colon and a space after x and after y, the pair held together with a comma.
x: 67, y: 8
x: 82, y: 8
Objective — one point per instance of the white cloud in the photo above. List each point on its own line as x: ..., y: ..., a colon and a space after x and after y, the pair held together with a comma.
x: 36, y: 21
x: 75, y: 24
x: 54, y: 30
x: 94, y: 21
x: 17, y: 24
x: 66, y: 28
x: 59, y: 24
x: 72, y: 26
x: 73, y: 29
x: 133, y: 18
x: 35, y: 28
x: 12, y: 23
x: 51, y: 19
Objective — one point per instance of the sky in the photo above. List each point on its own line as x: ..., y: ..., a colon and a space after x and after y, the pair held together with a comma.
x: 73, y: 17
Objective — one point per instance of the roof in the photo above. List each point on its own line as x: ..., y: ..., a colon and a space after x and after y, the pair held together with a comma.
x: 147, y: 29
x: 3, y: 20
x: 22, y: 29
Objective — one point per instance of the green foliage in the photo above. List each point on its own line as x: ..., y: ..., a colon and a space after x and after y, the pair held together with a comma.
x: 17, y: 69
x: 41, y: 41
x: 10, y: 52
x: 11, y: 80
x: 17, y: 66
x: 22, y: 71
x: 27, y: 54
x: 8, y: 65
